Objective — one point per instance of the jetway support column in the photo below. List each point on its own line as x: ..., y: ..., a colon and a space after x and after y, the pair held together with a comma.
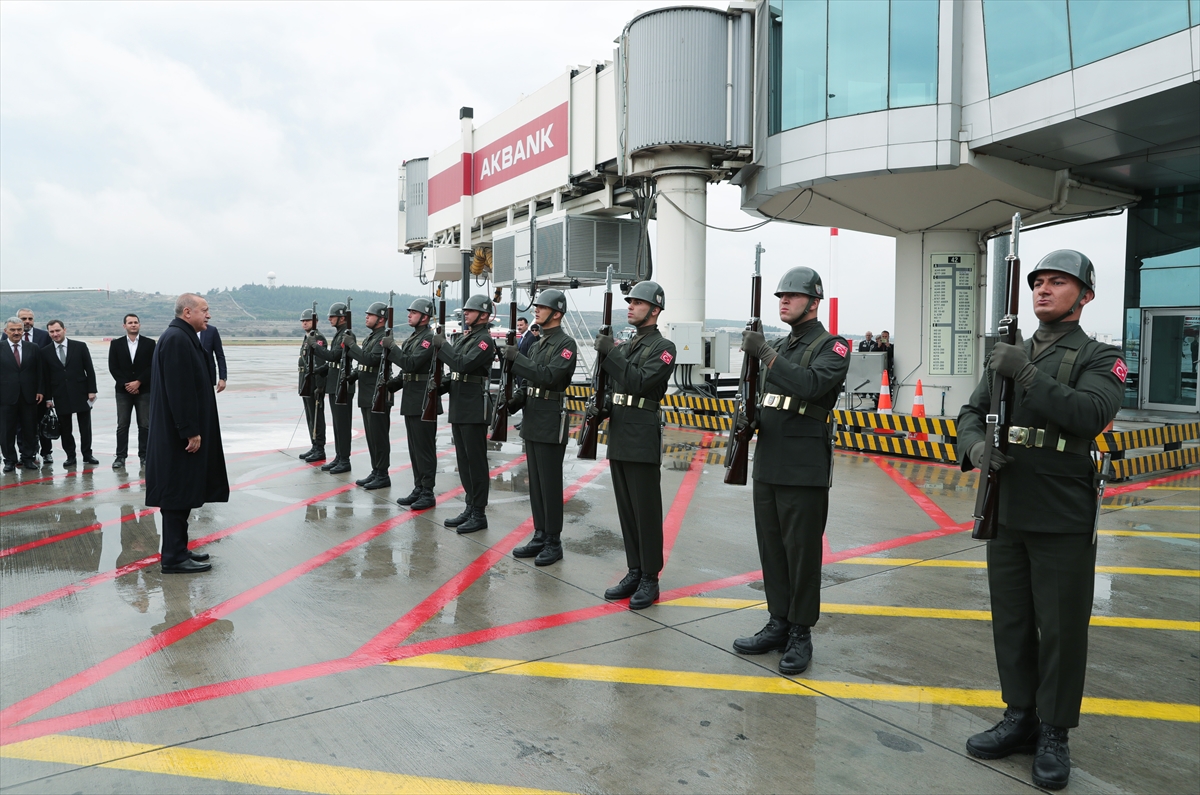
x: 680, y: 256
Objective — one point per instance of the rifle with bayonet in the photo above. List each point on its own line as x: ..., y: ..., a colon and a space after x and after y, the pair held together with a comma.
x: 589, y: 432
x: 500, y: 412
x: 346, y: 368
x: 987, y: 500
x: 737, y: 454
x: 310, y: 364
x: 433, y: 392
x: 380, y: 404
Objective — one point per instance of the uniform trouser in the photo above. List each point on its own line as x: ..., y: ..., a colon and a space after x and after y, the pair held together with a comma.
x: 638, y: 487
x: 1041, y: 587
x: 376, y: 428
x: 18, y: 418
x: 314, y: 415
x: 545, y: 464
x: 341, y: 428
x: 84, y: 419
x: 422, y: 450
x: 470, y: 448
x: 790, y: 524
x: 126, y: 404
x: 174, y: 536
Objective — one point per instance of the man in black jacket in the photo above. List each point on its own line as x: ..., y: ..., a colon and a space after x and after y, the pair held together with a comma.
x: 71, y: 385
x: 214, y: 356
x: 129, y: 358
x: 22, y: 387
x: 41, y: 339
x: 185, y: 466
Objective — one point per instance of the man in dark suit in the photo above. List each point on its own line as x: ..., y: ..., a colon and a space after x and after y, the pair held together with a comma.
x: 71, y: 385
x: 210, y: 341
x: 41, y: 339
x: 129, y: 360
x: 21, y: 391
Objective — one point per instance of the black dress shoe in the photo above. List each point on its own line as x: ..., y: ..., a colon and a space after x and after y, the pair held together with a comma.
x: 381, y: 481
x: 462, y: 517
x: 330, y: 465
x: 70, y: 462
x: 366, y: 480
x: 47, y: 459
x: 304, y: 456
x: 199, y: 557
x: 646, y: 594
x: 551, y: 553
x: 627, y: 587
x: 31, y: 465
x: 9, y: 466
x: 1052, y: 759
x: 425, y: 501
x: 772, y: 637
x: 188, y: 566
x: 413, y: 496
x: 1016, y: 733
x: 316, y: 455
x: 90, y: 460
x: 477, y: 522
x: 798, y: 653
x: 339, y: 467
x: 534, y: 546
x: 119, y: 465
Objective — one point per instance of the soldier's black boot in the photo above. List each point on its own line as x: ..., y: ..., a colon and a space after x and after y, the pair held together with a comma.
x: 340, y: 465
x: 425, y: 501
x: 462, y: 517
x: 317, y: 454
x: 551, y: 553
x: 382, y: 480
x: 1016, y: 733
x: 772, y: 637
x: 304, y: 456
x: 798, y: 653
x: 1052, y: 760
x: 477, y: 522
x: 646, y: 594
x: 626, y: 587
x: 330, y: 465
x: 534, y: 546
x: 364, y: 481
x: 412, y: 497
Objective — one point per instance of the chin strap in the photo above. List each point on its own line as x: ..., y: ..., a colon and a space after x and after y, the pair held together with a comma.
x: 1074, y: 307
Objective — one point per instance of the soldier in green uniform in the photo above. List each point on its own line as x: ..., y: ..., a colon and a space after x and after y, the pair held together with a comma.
x: 801, y: 378
x: 314, y: 404
x: 1041, y: 565
x: 339, y: 318
x: 470, y: 359
x: 414, y: 357
x: 376, y: 425
x: 545, y: 425
x: 640, y: 371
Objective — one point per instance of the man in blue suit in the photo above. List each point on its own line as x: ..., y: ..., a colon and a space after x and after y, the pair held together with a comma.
x: 210, y: 341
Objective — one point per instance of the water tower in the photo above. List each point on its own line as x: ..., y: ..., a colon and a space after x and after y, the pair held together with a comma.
x: 271, y: 280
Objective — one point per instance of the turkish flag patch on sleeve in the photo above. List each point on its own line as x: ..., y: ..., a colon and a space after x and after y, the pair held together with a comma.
x: 320, y: 343
x: 667, y: 357
x: 482, y: 346
x: 840, y: 349
x: 424, y: 343
x: 1120, y: 370
x: 566, y: 353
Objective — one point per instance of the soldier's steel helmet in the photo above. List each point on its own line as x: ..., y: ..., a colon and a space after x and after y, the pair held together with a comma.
x: 1067, y: 261
x: 552, y: 299
x: 338, y: 309
x: 422, y: 305
x: 805, y: 281
x: 650, y: 292
x: 479, y: 303
x: 379, y: 308
x: 307, y: 314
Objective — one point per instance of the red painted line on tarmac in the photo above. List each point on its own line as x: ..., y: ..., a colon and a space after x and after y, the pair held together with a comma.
x: 940, y: 517
x: 31, y: 705
x: 69, y: 498
x: 41, y: 542
x: 683, y: 498
x: 64, y: 476
x: 1112, y: 491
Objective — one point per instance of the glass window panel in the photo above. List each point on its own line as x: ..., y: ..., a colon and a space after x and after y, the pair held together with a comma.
x: 913, y: 53
x: 1026, y: 40
x: 858, y: 56
x: 1195, y: 11
x: 1100, y: 28
x: 1170, y: 286
x: 914, y: 56
x: 1188, y: 258
x: 1131, y: 345
x: 801, y: 63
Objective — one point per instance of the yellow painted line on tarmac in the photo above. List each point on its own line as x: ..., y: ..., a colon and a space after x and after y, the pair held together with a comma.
x: 777, y: 685
x: 1173, y: 488
x: 1152, y: 507
x: 928, y: 612
x: 979, y: 564
x: 1148, y: 534
x: 260, y: 771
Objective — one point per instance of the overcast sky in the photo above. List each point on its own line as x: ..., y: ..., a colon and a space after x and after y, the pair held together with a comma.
x: 174, y: 146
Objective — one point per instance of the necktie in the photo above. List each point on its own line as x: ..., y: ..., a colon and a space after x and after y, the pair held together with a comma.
x: 17, y: 353
x: 27, y: 337
x: 62, y: 353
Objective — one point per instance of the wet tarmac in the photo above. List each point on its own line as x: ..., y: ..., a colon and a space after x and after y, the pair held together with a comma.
x: 344, y: 644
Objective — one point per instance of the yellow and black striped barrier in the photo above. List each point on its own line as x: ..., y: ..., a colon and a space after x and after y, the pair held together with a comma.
x: 1155, y: 462
x: 895, y: 445
x: 1112, y: 441
x: 896, y: 422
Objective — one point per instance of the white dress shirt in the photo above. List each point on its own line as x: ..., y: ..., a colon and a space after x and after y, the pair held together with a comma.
x: 132, y: 343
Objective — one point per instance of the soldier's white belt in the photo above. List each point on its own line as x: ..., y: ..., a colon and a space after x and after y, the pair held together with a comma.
x: 634, y: 402
x: 544, y: 394
x: 792, y: 403
x: 470, y: 379
x: 1036, y: 437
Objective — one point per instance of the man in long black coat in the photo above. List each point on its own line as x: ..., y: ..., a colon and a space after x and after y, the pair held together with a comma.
x: 185, y: 463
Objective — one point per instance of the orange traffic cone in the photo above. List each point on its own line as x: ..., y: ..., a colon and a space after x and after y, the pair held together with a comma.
x: 885, y: 401
x: 918, y: 410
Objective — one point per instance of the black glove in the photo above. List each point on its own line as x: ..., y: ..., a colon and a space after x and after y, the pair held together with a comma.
x: 511, y: 353
x: 592, y: 411
x: 604, y: 343
x: 395, y: 384
x: 999, y: 459
x: 388, y: 342
x: 755, y: 344
x: 438, y: 341
x: 1012, y: 362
